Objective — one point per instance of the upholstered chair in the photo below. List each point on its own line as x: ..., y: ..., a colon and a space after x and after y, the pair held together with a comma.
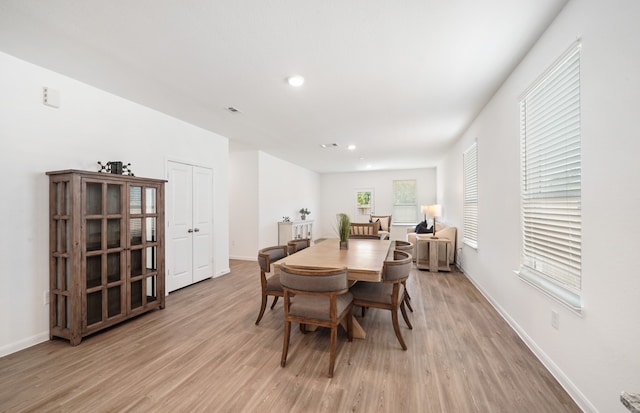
x: 407, y: 247
x: 364, y: 230
x: 298, y: 244
x: 388, y: 294
x: 270, y: 285
x: 385, y: 225
x: 316, y: 296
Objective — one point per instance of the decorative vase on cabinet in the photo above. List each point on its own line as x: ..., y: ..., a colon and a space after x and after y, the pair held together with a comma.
x: 106, y: 242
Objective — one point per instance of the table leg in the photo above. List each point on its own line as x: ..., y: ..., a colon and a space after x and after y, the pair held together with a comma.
x: 358, y: 331
x: 433, y: 256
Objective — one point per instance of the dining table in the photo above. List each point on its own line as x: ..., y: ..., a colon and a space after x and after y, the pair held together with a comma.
x: 364, y: 260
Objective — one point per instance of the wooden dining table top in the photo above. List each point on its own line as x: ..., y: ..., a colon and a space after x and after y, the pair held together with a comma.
x: 364, y: 259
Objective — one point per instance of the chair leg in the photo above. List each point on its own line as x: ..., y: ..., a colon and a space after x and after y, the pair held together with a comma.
x: 408, y: 302
x: 285, y: 345
x: 262, y: 307
x: 408, y: 297
x: 332, y: 351
x: 350, y: 325
x: 275, y: 300
x: 303, y: 328
x: 396, y: 328
x: 404, y: 315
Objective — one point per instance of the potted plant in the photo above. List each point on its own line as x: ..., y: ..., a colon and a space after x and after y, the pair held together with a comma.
x: 343, y: 224
x: 303, y: 213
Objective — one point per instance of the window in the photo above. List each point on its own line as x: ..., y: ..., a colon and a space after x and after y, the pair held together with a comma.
x: 551, y: 181
x: 364, y: 204
x: 404, y: 201
x: 470, y: 201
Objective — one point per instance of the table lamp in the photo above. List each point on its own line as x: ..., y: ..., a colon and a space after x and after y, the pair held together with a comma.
x: 434, y: 211
x: 425, y: 210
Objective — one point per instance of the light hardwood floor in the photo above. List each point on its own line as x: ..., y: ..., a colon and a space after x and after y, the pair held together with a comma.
x: 204, y: 353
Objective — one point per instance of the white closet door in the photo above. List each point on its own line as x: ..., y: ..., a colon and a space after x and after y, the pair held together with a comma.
x: 202, y: 225
x: 179, y: 213
x: 189, y: 249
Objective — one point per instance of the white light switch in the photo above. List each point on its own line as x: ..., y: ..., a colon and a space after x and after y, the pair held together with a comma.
x: 51, y: 97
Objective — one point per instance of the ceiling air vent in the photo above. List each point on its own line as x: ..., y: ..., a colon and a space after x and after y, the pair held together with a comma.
x: 233, y: 110
x: 329, y: 145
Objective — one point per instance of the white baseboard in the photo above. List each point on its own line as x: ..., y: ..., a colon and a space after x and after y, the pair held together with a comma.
x: 242, y: 258
x: 566, y: 383
x: 222, y: 272
x: 24, y: 343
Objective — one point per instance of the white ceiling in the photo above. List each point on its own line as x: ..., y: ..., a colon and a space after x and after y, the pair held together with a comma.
x: 400, y: 79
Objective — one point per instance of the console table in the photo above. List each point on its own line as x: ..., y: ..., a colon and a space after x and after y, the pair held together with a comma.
x: 294, y: 230
x: 433, y: 254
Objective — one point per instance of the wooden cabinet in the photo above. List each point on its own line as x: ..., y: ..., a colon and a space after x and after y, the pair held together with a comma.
x: 294, y: 230
x: 106, y: 243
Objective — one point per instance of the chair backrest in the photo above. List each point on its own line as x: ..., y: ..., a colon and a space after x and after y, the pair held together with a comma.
x: 269, y: 255
x: 313, y: 279
x: 385, y: 221
x: 397, y: 269
x: 363, y: 230
x: 404, y: 246
x: 298, y: 244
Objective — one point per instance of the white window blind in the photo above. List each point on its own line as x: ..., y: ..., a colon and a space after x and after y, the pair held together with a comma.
x: 470, y: 201
x: 551, y: 179
x: 405, y: 207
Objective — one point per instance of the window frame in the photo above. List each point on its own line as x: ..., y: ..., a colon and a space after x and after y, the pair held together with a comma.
x: 551, y: 181
x: 399, y: 217
x: 470, y: 195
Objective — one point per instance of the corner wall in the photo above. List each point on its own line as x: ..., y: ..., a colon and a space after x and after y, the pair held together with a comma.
x: 594, y: 356
x: 91, y: 125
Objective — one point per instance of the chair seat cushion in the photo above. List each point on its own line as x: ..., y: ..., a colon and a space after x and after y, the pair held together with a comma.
x: 273, y: 283
x: 376, y: 292
x: 317, y: 307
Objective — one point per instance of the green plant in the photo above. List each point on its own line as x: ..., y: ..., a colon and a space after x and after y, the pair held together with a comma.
x: 304, y: 211
x: 343, y: 223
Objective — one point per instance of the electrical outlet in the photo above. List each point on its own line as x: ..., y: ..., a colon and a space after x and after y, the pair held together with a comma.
x: 555, y: 320
x: 46, y: 297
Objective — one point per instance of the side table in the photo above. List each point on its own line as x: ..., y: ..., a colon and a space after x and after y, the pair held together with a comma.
x: 433, y: 254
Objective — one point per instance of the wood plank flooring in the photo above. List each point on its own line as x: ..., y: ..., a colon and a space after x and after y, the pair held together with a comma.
x: 203, y: 353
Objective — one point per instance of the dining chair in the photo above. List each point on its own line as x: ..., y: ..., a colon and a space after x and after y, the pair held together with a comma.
x: 408, y: 247
x: 388, y: 294
x: 364, y: 230
x: 319, y: 297
x: 270, y: 285
x: 298, y: 244
x: 385, y: 225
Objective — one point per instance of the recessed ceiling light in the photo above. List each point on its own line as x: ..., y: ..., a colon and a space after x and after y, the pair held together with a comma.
x: 351, y: 147
x: 295, y: 80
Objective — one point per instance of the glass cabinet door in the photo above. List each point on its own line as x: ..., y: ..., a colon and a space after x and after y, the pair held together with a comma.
x: 104, y: 256
x: 143, y: 239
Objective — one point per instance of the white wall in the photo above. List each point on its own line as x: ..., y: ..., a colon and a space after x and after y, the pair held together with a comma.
x: 89, y: 126
x: 284, y: 189
x: 243, y: 205
x: 595, y: 356
x: 263, y: 189
x: 338, y: 193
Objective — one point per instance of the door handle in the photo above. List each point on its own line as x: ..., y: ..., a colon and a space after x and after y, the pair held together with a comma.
x: 189, y: 230
x: 196, y: 230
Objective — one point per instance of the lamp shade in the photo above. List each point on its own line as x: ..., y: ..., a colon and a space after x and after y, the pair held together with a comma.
x: 424, y: 209
x: 434, y: 210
